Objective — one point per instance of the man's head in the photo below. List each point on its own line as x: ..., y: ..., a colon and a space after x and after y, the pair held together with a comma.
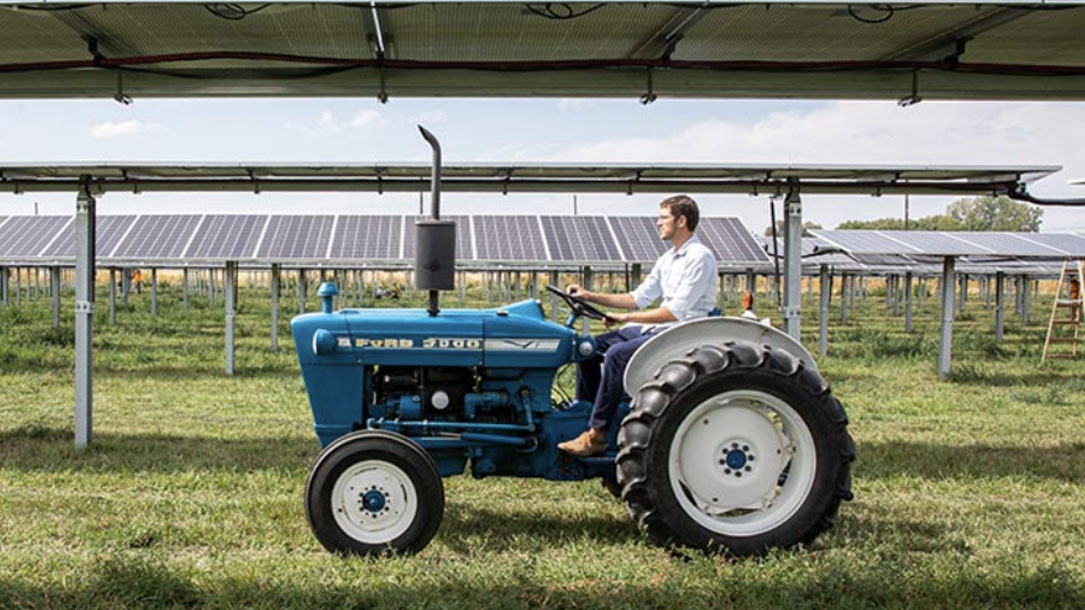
x: 678, y: 217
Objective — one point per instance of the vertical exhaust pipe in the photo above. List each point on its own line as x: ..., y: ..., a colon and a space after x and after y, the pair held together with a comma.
x: 435, y: 239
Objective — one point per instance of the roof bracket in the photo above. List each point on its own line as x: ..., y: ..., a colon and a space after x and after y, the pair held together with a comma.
x: 913, y: 99
x: 120, y: 96
x: 380, y: 180
x: 650, y: 96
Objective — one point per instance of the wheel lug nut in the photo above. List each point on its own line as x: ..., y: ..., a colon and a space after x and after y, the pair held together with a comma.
x: 750, y: 457
x: 738, y: 474
x: 734, y: 445
x: 723, y: 461
x: 748, y: 469
x: 726, y: 471
x: 745, y: 447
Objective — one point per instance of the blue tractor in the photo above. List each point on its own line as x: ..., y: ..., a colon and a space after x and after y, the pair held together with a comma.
x: 731, y: 441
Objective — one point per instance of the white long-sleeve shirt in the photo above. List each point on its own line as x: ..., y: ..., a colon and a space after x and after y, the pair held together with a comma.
x: 685, y: 279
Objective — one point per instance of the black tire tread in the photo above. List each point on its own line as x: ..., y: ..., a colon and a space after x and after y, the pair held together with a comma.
x: 655, y: 397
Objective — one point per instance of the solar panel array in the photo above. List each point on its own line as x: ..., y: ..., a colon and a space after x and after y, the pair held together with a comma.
x: 937, y: 244
x: 481, y: 238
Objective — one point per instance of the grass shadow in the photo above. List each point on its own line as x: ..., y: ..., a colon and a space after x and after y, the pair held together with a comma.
x: 929, y: 461
x: 38, y: 448
x: 131, y: 580
x: 463, y: 525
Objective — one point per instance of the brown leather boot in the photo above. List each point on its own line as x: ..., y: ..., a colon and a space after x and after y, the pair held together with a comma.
x: 589, y: 443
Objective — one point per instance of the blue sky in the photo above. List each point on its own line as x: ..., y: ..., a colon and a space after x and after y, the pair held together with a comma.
x: 550, y: 130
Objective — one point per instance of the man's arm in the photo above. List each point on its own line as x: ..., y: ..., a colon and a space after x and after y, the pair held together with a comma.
x: 622, y: 301
x: 658, y: 315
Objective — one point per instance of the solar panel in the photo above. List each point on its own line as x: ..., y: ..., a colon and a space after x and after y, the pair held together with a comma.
x: 158, y: 237
x: 108, y: 230
x: 509, y: 238
x: 730, y: 241
x: 27, y: 236
x: 1067, y: 242
x: 464, y: 248
x: 1007, y: 244
x: 296, y: 237
x: 226, y: 237
x: 579, y: 238
x: 638, y: 238
x: 864, y: 242
x: 367, y: 238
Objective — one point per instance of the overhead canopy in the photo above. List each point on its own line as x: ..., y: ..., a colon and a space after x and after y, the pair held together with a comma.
x: 983, y: 49
x: 567, y: 178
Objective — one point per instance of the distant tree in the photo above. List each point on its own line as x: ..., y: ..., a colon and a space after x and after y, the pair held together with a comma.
x: 938, y: 222
x: 806, y: 228
x: 995, y: 214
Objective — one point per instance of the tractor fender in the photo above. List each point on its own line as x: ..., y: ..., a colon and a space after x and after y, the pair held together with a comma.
x: 678, y: 340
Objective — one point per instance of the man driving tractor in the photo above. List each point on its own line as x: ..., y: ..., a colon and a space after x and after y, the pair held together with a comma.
x: 684, y: 276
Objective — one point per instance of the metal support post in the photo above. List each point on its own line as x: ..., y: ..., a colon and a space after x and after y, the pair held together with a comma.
x: 4, y: 298
x: 948, y: 310
x: 1026, y: 294
x: 751, y: 282
x: 553, y: 297
x: 275, y: 273
x: 847, y: 290
x: 126, y: 285
x: 964, y: 290
x: 302, y: 289
x: 587, y: 286
x: 1000, y: 305
x: 184, y: 288
x: 907, y: 301
x: 154, y: 291
x: 826, y: 286
x: 229, y: 284
x: 84, y: 314
x: 211, y: 288
x: 112, y: 297
x: 54, y: 290
x: 793, y: 263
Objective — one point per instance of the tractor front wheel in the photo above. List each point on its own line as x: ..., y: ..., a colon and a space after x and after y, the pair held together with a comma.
x: 373, y: 492
x: 735, y: 449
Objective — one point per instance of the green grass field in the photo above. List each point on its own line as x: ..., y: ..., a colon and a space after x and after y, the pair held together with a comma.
x: 969, y: 492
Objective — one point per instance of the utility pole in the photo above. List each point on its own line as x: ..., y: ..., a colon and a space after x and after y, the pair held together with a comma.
x: 905, y: 211
x: 574, y: 205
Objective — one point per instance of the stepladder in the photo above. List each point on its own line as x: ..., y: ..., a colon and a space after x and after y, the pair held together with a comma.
x: 1064, y: 327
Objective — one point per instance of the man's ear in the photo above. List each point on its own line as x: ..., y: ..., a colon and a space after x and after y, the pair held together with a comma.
x: 681, y: 222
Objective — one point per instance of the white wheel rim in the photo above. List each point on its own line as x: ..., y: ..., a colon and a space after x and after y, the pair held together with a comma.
x: 760, y: 434
x: 355, y: 496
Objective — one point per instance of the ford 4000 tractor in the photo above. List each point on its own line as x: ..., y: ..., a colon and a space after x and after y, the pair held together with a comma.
x: 731, y: 441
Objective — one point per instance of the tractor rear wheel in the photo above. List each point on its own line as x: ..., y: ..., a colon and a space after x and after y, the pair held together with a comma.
x: 373, y: 492
x: 735, y: 449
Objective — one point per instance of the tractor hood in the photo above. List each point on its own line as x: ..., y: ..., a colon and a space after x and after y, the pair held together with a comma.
x: 515, y: 336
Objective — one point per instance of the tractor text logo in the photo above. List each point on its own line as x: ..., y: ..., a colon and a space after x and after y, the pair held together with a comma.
x: 451, y: 343
x: 385, y: 343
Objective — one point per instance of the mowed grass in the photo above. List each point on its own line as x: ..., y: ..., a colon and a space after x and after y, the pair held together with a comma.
x: 969, y: 492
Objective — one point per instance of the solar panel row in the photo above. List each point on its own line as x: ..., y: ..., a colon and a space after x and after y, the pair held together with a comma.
x: 480, y: 238
x: 931, y: 243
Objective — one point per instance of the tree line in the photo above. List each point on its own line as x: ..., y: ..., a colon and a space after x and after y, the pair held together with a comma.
x: 984, y: 213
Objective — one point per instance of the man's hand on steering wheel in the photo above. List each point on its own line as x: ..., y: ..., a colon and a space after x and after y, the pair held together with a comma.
x: 579, y: 304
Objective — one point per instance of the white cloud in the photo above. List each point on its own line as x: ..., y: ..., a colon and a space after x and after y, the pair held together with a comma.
x: 575, y: 103
x: 326, y: 118
x: 430, y: 117
x: 119, y: 129
x: 878, y: 133
x: 366, y: 119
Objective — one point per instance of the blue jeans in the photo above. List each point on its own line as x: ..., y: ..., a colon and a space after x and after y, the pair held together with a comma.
x: 599, y: 379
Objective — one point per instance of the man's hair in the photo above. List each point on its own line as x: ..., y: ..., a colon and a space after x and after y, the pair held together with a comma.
x: 683, y: 205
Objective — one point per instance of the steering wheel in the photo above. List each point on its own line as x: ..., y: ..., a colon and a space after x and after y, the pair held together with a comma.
x: 579, y: 306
